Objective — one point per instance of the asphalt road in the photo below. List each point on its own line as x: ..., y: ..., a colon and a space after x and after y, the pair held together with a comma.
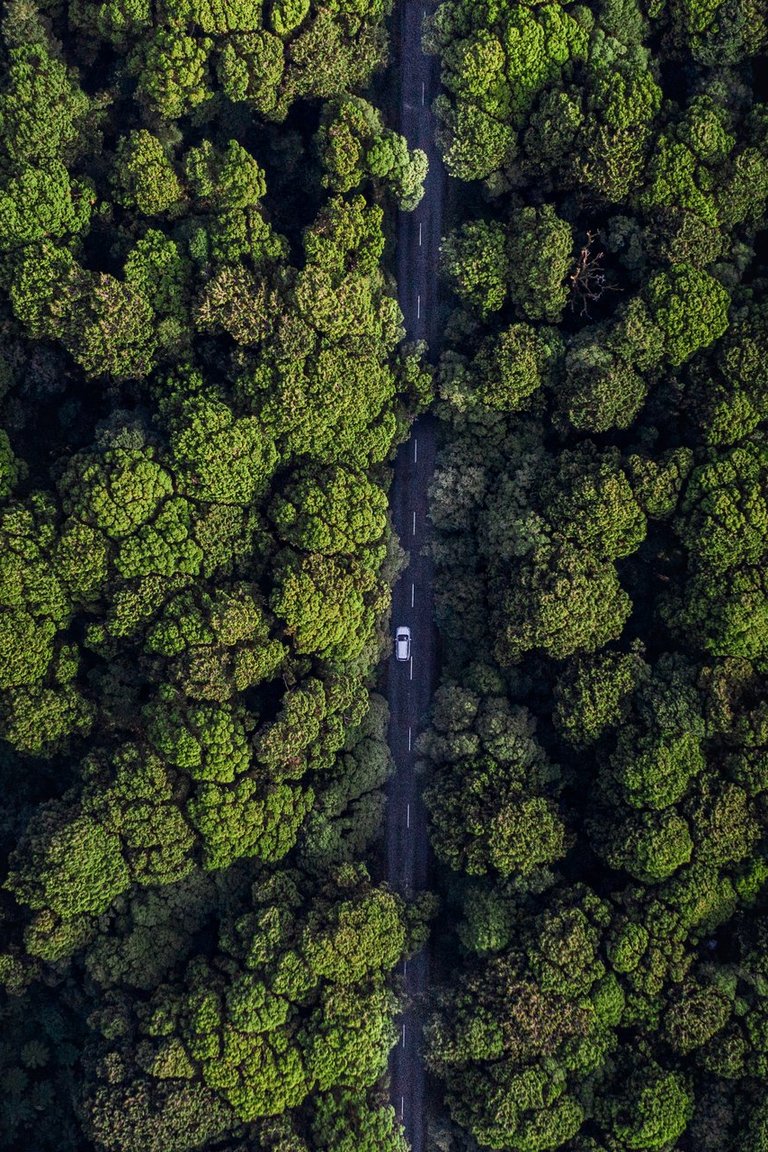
x: 410, y: 685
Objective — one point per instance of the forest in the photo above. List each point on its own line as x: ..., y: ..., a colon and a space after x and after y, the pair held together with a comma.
x: 597, y: 761
x: 204, y: 378
x: 203, y: 375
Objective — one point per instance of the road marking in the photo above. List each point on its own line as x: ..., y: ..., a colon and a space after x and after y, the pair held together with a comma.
x: 418, y: 307
x: 409, y: 739
x: 402, y: 1106
x: 413, y: 533
x: 413, y: 595
x: 411, y: 675
x: 403, y: 1035
x: 415, y: 451
x: 405, y: 967
x: 408, y: 816
x: 420, y: 228
x: 423, y: 91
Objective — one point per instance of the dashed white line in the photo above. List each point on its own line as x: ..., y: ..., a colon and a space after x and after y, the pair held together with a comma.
x: 403, y: 1035
x: 423, y: 91
x: 414, y: 525
x: 407, y: 815
x: 411, y: 675
x: 413, y: 595
x: 418, y: 307
x: 402, y: 1106
x: 409, y: 739
x: 405, y: 967
x: 415, y: 451
x: 420, y: 228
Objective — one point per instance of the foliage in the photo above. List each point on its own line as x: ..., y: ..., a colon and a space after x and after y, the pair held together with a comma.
x: 599, y: 548
x: 202, y: 379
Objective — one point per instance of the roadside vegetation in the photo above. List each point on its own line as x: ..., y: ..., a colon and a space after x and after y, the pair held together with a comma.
x: 597, y: 756
x: 203, y: 377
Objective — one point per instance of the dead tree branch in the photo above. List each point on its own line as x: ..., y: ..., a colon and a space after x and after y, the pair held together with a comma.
x: 589, y: 280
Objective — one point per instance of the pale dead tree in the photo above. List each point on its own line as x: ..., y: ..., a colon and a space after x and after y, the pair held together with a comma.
x: 589, y: 280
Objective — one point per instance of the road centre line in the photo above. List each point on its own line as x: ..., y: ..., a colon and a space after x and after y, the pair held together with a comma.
x: 413, y: 533
x: 405, y: 967
x: 402, y: 1106
x: 420, y: 228
x: 409, y: 739
x: 418, y: 307
x: 408, y: 816
x: 413, y: 595
x: 415, y: 451
x: 411, y: 675
x: 423, y: 92
x: 403, y: 1035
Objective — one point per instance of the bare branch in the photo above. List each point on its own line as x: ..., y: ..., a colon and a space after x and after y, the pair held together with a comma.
x: 589, y: 280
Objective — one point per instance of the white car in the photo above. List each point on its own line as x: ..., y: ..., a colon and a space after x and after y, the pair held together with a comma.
x: 403, y: 643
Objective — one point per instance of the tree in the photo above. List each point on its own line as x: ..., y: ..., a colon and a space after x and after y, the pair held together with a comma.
x: 333, y: 511
x: 607, y: 370
x: 12, y: 469
x: 650, y: 845
x: 562, y: 600
x: 496, y: 1044
x: 209, y: 741
x: 652, y: 1108
x: 26, y: 646
x: 249, y: 67
x: 158, y: 271
x: 219, y: 457
x: 322, y: 602
x: 115, y: 491
x: 593, y: 695
x: 144, y: 177
x: 112, y: 333
x: 174, y: 74
x: 539, y: 252
x: 34, y: 605
x: 590, y: 499
x: 355, y: 146
x: 724, y: 515
x: 623, y: 98
x: 601, y: 390
x: 690, y: 308
x: 697, y: 1014
x: 217, y: 645
x: 150, y: 1117
x: 68, y: 867
x: 238, y: 303
x: 39, y: 203
x: 483, y: 820
x: 476, y: 260
x: 286, y: 1014
x: 512, y: 366
x: 224, y: 180
x: 493, y: 794
x: 104, y: 323
x: 43, y: 111
x: 353, y: 1124
x: 118, y: 22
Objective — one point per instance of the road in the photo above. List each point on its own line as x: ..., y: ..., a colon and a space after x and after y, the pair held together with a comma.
x: 410, y: 685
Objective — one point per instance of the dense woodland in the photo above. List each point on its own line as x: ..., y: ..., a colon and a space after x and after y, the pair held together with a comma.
x: 203, y: 377
x: 597, y: 765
